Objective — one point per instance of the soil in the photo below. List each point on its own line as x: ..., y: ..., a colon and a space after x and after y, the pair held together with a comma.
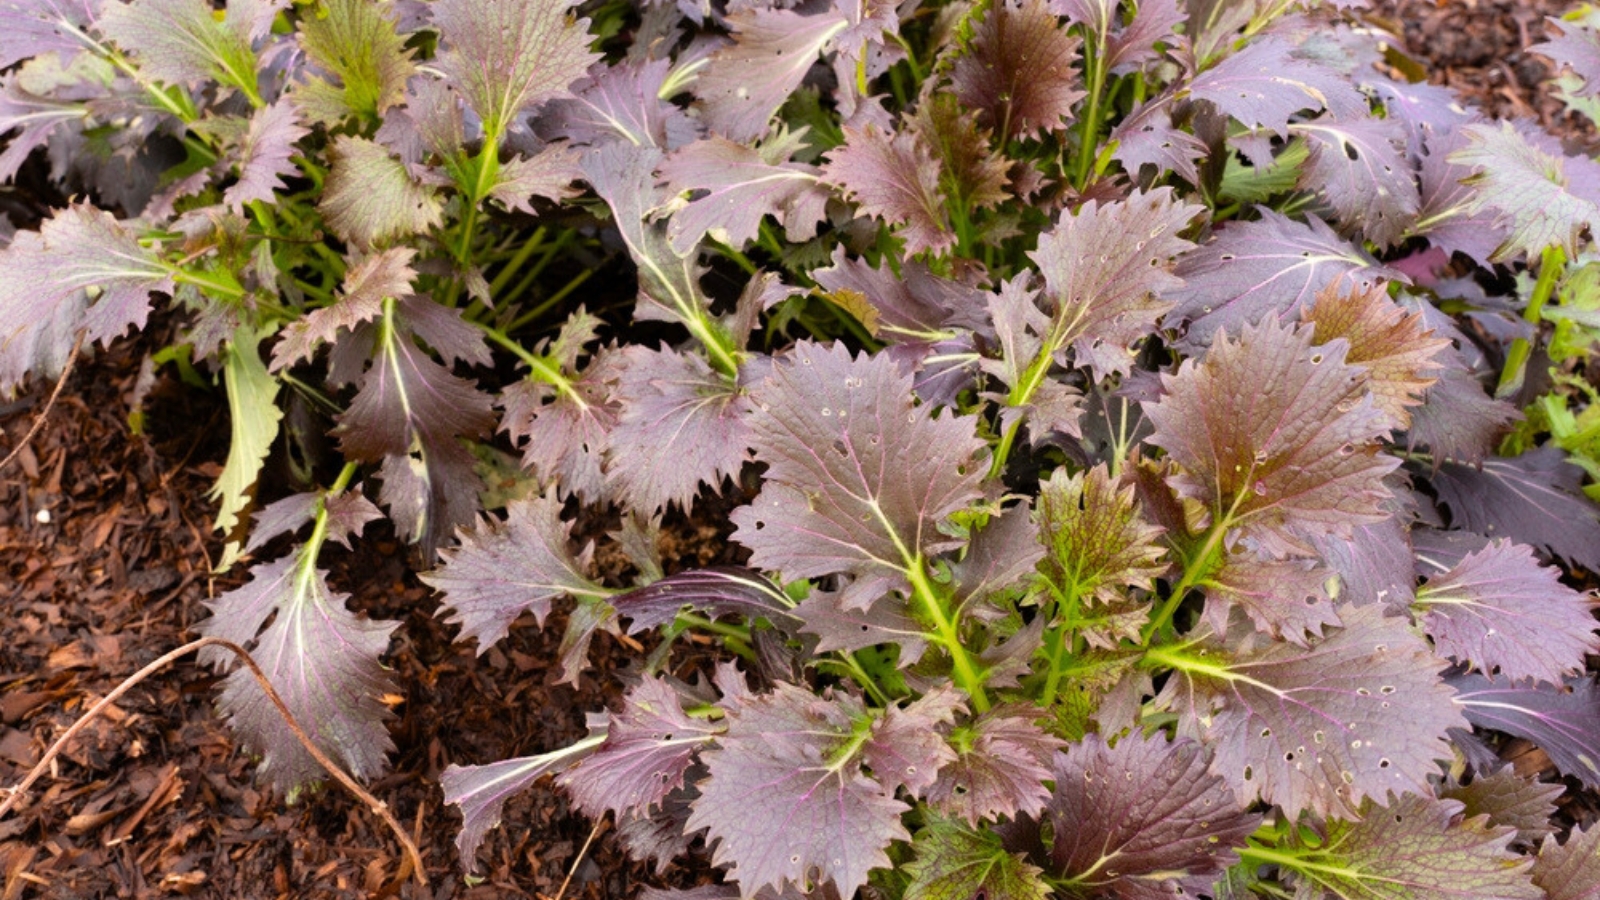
x: 106, y: 548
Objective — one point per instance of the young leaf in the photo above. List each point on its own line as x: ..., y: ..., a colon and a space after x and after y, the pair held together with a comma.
x: 907, y: 748
x: 1510, y: 801
x: 1146, y: 136
x: 366, y: 61
x: 265, y: 155
x: 1563, y: 720
x: 1398, y: 350
x: 716, y: 590
x: 367, y: 284
x: 1533, y: 499
x: 1286, y: 598
x: 502, y: 570
x: 648, y: 747
x: 254, y: 414
x: 565, y: 432
x: 734, y: 187
x: 46, y: 278
x: 744, y: 83
x: 839, y: 627
x: 1414, y: 847
x: 895, y: 178
x: 1569, y: 871
x: 682, y: 424
x: 1359, y: 713
x: 548, y: 174
x: 1097, y: 545
x: 1256, y: 268
x: 914, y: 305
x: 480, y: 792
x: 1498, y: 610
x: 1548, y: 198
x: 1018, y: 72
x: 322, y: 660
x: 181, y: 42
x: 1002, y: 763
x: 1125, y: 48
x: 1105, y: 270
x: 1273, y: 433
x: 1358, y: 168
x: 787, y: 802
x: 370, y: 198
x: 1140, y: 816
x: 955, y: 862
x: 505, y: 56
x: 858, y: 477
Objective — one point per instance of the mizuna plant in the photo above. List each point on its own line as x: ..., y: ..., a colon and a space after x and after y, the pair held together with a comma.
x: 1134, y: 393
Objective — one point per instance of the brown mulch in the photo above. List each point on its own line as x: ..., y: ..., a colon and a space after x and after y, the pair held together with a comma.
x: 106, y: 550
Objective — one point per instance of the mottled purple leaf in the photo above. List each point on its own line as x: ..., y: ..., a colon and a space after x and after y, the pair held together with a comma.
x: 1359, y: 713
x: 1133, y: 819
x: 681, y: 425
x: 1534, y: 499
x: 367, y: 283
x: 564, y: 431
x: 999, y: 559
x: 369, y: 196
x: 1097, y: 545
x: 1570, y: 871
x: 504, y: 569
x: 37, y: 117
x: 1258, y: 268
x: 894, y: 178
x: 505, y: 56
x: 1577, y: 45
x: 914, y: 305
x: 264, y: 155
x: 887, y: 620
x: 321, y: 659
x: 548, y: 174
x: 906, y: 747
x: 1018, y: 72
x: 1001, y: 766
x: 1563, y: 720
x: 1275, y: 433
x: 1458, y: 421
x: 1374, y: 563
x: 956, y: 862
x: 1357, y: 166
x: 783, y: 805
x: 858, y: 477
x: 1286, y: 598
x: 1501, y: 612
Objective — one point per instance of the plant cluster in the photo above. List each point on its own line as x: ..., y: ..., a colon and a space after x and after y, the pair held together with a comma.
x: 1166, y: 414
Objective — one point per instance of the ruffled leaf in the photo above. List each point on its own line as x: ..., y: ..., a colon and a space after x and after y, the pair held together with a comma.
x: 364, y: 59
x: 744, y: 83
x: 733, y: 188
x: 717, y: 591
x: 502, y: 570
x: 1547, y: 198
x: 1570, y: 871
x: 481, y: 792
x: 1358, y: 167
x: 264, y: 156
x: 254, y: 415
x: 1018, y: 72
x: 894, y: 178
x: 1266, y: 83
x: 370, y: 198
x: 181, y: 42
x: 505, y: 56
x: 1509, y: 800
x: 1577, y: 45
x: 1400, y: 353
x: 1286, y: 598
x: 367, y: 284
x: 1000, y: 768
x: 955, y: 862
x: 1097, y: 545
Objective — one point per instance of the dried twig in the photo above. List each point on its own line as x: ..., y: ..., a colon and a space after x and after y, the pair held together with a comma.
x: 38, y: 421
x: 380, y: 808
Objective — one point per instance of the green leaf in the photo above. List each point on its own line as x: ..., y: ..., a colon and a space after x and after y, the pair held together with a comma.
x: 356, y: 44
x: 1546, y: 197
x: 1412, y: 849
x: 956, y: 862
x: 253, y: 408
x: 182, y: 42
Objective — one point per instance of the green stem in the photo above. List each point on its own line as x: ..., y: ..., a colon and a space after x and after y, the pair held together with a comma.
x: 867, y: 682
x: 507, y: 271
x: 543, y: 369
x: 947, y: 635
x: 1089, y: 134
x: 1551, y: 266
x: 1197, y: 567
x: 721, y: 629
x: 230, y: 289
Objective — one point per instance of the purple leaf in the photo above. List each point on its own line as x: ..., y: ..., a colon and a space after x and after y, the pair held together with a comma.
x: 894, y: 178
x: 1509, y: 800
x: 1125, y: 49
x: 502, y: 570
x: 1547, y: 198
x: 1398, y: 351
x: 1105, y: 270
x: 30, y: 28
x: 480, y: 792
x: 1001, y: 766
x: 733, y: 189
x: 840, y: 627
x: 45, y: 277
x: 1359, y: 713
x: 367, y: 284
x: 783, y: 806
x: 1275, y: 433
x: 1534, y: 499
x: 1450, y: 216
x: 565, y: 431
x: 914, y: 305
x: 548, y: 174
x: 1501, y: 612
x: 1266, y: 83
x: 1416, y: 846
x: 369, y: 196
x: 1374, y: 564
x: 1358, y: 168
x: 264, y: 155
x: 621, y: 102
x: 1286, y: 598
x: 1147, y: 137
x: 505, y: 56
x: 1458, y: 421
x: 999, y: 560
x: 649, y: 746
x: 1577, y: 45
x: 858, y: 477
x: 322, y: 660
x: 1136, y: 818
x: 1018, y: 72
x: 907, y: 745
x: 1564, y: 720
x: 1254, y: 269
x: 681, y: 424
x: 38, y: 118
x: 1569, y: 871
x: 1097, y: 545
x: 717, y: 591
x: 743, y: 84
